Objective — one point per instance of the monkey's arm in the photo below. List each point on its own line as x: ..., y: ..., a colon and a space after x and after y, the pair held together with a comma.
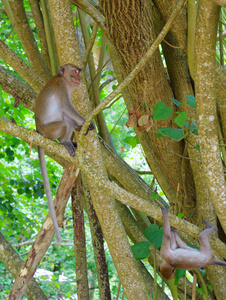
x: 166, y: 231
x: 71, y: 113
x: 179, y: 241
x: 73, y: 117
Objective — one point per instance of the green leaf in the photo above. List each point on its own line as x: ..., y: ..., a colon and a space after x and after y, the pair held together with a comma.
x: 210, y: 287
x: 141, y: 249
x: 178, y: 103
x: 173, y: 133
x: 195, y: 131
x: 9, y: 152
x: 192, y: 127
x: 154, y: 195
x: 20, y: 191
x: 181, y: 119
x: 200, y: 290
x: 180, y: 215
x: 198, y: 148
x: 132, y: 141
x: 162, y: 111
x: 154, y: 234
x: 179, y: 273
x: 191, y: 101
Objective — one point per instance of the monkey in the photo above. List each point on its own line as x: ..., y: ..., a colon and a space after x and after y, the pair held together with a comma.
x: 185, y: 257
x: 55, y: 118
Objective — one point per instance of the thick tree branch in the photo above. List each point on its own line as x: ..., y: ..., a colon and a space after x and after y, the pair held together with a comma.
x: 22, y: 69
x: 111, y: 225
x: 17, y: 88
x: 13, y: 262
x: 110, y: 188
x: 45, y: 235
x: 26, y: 36
x: 207, y: 20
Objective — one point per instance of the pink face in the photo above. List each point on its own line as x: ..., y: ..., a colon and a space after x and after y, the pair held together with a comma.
x: 71, y: 74
x: 75, y: 77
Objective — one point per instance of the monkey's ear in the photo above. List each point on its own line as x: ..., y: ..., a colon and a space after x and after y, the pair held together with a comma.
x: 61, y: 70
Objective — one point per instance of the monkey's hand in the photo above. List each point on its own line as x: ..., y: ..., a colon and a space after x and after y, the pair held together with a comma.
x: 174, y: 229
x: 91, y: 127
x: 78, y: 128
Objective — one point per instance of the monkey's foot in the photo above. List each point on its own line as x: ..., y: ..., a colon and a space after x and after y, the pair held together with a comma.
x: 174, y: 229
x: 91, y: 127
x: 78, y: 128
x: 70, y: 147
x: 164, y: 210
x: 209, y: 225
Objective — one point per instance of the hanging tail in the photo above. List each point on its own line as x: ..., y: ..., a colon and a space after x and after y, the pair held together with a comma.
x: 48, y: 192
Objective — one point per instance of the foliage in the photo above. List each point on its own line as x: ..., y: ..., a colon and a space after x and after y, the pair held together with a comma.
x: 154, y: 235
x: 23, y: 205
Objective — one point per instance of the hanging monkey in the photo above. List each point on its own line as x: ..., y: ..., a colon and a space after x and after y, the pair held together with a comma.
x: 185, y: 257
x: 56, y: 118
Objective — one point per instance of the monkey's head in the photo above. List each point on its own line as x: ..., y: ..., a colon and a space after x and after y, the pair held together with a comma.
x: 71, y: 73
x: 166, y: 270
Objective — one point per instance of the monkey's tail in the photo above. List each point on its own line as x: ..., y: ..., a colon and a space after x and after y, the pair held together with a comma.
x: 48, y: 192
x: 218, y: 262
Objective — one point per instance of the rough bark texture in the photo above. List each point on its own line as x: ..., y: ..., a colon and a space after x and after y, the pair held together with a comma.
x: 79, y: 242
x: 45, y: 235
x: 104, y: 205
x: 13, y: 262
x: 132, y: 28
x: 98, y: 244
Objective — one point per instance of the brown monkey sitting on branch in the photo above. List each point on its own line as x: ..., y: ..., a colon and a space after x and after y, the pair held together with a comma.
x: 185, y: 257
x: 56, y: 118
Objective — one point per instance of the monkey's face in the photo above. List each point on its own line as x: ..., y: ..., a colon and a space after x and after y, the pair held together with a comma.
x: 75, y: 77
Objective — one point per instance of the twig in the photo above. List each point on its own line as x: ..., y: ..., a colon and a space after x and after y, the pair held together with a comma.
x: 90, y: 45
x: 144, y: 172
x: 97, y: 75
x: 117, y: 121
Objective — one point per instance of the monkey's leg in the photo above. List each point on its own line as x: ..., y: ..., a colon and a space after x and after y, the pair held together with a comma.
x: 166, y: 231
x: 179, y: 241
x: 173, y: 244
x: 62, y: 131
x: 205, y: 247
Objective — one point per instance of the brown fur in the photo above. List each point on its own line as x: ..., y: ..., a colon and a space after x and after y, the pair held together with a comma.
x: 185, y: 257
x: 56, y: 118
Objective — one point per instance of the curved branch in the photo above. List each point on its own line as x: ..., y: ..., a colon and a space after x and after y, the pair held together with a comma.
x: 26, y: 36
x: 94, y: 13
x: 108, y: 187
x: 22, y: 69
x: 13, y: 262
x: 17, y: 88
